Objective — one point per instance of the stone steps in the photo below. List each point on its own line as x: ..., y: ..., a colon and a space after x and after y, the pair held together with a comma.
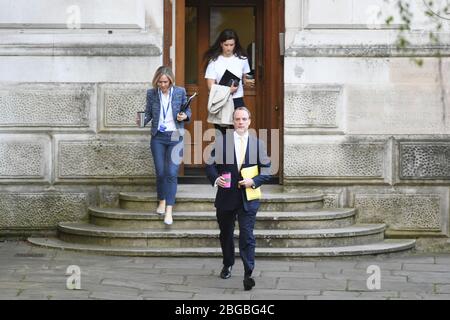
x: 288, y: 225
x: 198, y: 202
x: 174, y: 238
x: 310, y: 219
x: 382, y: 247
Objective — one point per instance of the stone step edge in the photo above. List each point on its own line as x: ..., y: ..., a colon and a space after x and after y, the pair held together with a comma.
x: 84, y: 229
x: 386, y: 246
x: 279, y: 197
x: 124, y: 214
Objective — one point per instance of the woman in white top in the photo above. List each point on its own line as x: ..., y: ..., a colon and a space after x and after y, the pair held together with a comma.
x: 227, y: 54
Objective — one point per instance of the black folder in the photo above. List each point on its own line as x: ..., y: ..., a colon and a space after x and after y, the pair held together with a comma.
x: 228, y: 78
x: 187, y: 104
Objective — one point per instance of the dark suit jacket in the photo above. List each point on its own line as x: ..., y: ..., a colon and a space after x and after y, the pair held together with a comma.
x: 153, y: 108
x: 223, y: 159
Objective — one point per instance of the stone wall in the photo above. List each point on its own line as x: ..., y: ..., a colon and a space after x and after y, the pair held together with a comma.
x: 68, y: 99
x: 363, y: 122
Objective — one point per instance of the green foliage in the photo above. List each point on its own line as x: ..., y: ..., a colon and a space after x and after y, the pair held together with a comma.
x: 436, y: 13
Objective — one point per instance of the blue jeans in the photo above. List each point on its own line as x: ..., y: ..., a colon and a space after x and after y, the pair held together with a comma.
x: 167, y: 155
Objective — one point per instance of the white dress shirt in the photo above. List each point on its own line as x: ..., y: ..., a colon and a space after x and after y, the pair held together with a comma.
x: 167, y: 105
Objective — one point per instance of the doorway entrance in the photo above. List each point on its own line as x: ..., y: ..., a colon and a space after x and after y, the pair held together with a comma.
x: 259, y: 24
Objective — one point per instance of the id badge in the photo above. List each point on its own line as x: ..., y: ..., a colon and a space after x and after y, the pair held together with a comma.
x: 162, y: 128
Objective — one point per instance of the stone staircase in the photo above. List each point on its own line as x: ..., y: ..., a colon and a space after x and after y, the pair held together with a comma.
x: 287, y: 225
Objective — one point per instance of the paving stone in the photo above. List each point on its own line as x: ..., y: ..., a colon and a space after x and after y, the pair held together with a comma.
x: 302, y: 266
x: 311, y: 284
x: 49, y: 294
x: 282, y: 293
x: 152, y: 295
x: 115, y: 295
x: 425, y: 277
x: 193, y: 289
x: 179, y: 263
x: 354, y: 275
x: 442, y: 288
x: 11, y: 277
x: 23, y: 266
x: 187, y: 272
x: 150, y: 278
x: 271, y: 266
x: 18, y: 285
x: 141, y: 285
x: 214, y: 266
x: 411, y: 295
x: 27, y: 296
x: 391, y: 286
x: 442, y: 259
x: 112, y: 296
x: 383, y: 265
x: 270, y: 297
x: 414, y: 259
x: 57, y: 278
x: 128, y: 273
x: 275, y: 274
x: 344, y: 265
x: 328, y: 298
x: 379, y: 294
x: 6, y: 294
x: 426, y: 267
x: 143, y: 260
x: 233, y: 282
x: 237, y: 296
x: 436, y: 296
x: 340, y: 294
x: 236, y: 272
x: 131, y: 268
x: 326, y: 268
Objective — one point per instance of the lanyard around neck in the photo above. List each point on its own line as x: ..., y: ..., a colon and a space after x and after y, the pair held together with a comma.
x: 169, y: 103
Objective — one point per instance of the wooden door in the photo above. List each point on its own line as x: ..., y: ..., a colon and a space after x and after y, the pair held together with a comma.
x: 258, y: 24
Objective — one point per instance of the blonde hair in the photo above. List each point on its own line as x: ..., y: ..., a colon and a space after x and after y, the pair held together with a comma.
x: 163, y: 71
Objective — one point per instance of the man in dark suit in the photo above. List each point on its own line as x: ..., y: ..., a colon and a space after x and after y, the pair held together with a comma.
x: 237, y: 150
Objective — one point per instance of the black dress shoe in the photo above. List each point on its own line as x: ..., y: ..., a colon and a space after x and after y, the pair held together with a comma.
x: 226, y: 272
x: 249, y: 283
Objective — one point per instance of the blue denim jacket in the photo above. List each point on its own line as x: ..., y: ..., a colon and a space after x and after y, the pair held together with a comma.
x: 153, y: 108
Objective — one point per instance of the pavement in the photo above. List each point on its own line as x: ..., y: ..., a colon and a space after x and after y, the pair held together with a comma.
x: 28, y: 272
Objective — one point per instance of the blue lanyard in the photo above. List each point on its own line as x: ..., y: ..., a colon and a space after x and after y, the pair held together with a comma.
x: 165, y: 110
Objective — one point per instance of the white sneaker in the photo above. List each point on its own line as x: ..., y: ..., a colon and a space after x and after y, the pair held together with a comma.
x: 160, y: 212
x: 168, y: 219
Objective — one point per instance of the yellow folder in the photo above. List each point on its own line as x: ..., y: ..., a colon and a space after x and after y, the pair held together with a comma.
x: 251, y: 193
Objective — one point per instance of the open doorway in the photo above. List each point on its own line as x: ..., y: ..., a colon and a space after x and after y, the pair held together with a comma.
x: 258, y: 24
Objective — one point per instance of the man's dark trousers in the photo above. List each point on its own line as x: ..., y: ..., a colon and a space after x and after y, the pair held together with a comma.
x: 247, y: 240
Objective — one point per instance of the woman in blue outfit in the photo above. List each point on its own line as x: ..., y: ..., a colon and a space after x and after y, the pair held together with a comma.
x: 164, y: 101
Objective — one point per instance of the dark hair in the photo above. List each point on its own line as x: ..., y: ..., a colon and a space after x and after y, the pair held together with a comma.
x: 216, y: 50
